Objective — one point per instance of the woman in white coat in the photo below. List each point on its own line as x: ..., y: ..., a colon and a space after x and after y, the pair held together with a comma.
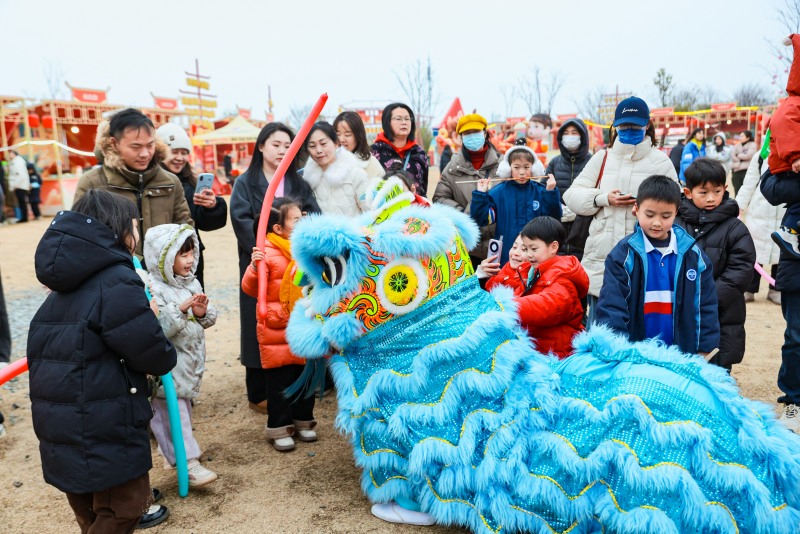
x: 719, y: 150
x: 338, y: 182
x: 352, y: 137
x: 631, y: 157
x: 761, y: 218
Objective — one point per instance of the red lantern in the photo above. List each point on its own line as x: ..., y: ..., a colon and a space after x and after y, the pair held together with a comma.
x: 33, y: 120
x: 47, y: 121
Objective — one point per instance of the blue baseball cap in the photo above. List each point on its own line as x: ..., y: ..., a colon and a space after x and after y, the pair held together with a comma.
x: 632, y: 110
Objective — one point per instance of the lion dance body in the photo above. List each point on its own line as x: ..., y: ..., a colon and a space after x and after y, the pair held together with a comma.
x: 447, y: 403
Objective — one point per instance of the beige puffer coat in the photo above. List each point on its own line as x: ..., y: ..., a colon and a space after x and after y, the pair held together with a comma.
x: 627, y: 167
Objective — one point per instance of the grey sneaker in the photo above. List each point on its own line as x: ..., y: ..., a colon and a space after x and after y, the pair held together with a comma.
x: 2, y: 430
x: 774, y: 296
x: 791, y: 417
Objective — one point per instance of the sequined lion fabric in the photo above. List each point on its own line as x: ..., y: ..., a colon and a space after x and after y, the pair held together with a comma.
x: 447, y: 403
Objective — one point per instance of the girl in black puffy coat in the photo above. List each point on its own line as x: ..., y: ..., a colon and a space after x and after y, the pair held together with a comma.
x: 711, y: 217
x: 573, y: 141
x: 90, y: 347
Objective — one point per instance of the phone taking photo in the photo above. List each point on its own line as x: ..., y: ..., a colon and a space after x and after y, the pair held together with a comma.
x: 204, y: 181
x: 495, y: 247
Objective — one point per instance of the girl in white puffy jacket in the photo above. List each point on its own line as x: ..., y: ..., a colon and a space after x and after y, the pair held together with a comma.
x: 339, y: 183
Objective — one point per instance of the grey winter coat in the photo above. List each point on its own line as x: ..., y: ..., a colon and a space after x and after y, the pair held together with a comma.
x: 169, y: 291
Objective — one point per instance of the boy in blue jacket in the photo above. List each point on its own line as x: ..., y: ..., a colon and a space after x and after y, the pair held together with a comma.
x: 657, y: 281
x: 511, y: 204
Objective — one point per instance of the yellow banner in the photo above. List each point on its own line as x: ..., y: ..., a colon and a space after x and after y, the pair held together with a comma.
x: 194, y: 112
x: 193, y: 101
x: 208, y: 125
x: 194, y: 82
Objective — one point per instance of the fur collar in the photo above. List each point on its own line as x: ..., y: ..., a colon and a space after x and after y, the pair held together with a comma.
x: 108, y: 155
x: 335, y: 174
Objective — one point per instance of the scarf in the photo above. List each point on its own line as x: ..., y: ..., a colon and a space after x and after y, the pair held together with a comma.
x: 698, y: 142
x: 478, y: 157
x: 401, y: 151
x: 289, y: 293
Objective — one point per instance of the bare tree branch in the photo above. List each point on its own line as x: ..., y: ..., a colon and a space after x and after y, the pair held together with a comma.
x: 664, y: 85
x: 509, y: 97
x: 539, y: 91
x: 753, y: 94
x: 54, y: 78
x: 417, y: 81
x: 298, y: 114
x: 589, y: 107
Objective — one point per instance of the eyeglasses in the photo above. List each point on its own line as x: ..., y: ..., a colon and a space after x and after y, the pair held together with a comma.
x: 401, y: 119
x: 630, y: 127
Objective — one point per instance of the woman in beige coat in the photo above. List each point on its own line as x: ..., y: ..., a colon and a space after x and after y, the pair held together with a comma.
x: 630, y: 157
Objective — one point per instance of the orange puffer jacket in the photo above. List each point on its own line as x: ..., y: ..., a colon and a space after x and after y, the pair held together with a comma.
x: 271, y: 331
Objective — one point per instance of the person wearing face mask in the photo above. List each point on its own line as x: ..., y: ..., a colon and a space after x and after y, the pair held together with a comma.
x: 573, y: 142
x: 209, y: 212
x: 396, y: 144
x: 606, y: 188
x: 476, y: 160
x: 338, y: 181
x: 695, y: 148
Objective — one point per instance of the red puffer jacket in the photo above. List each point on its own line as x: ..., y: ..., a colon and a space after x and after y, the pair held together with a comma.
x: 551, y: 309
x: 271, y: 332
x: 508, y: 277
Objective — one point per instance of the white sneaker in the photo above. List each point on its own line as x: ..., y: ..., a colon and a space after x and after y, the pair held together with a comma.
x: 307, y: 435
x: 791, y: 417
x: 199, y: 475
x: 2, y: 430
x: 394, y: 513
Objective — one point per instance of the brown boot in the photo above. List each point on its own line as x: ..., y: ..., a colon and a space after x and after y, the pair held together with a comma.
x: 749, y: 297
x: 281, y: 438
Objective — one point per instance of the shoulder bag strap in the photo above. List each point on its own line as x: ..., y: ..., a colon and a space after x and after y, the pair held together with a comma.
x: 602, y: 168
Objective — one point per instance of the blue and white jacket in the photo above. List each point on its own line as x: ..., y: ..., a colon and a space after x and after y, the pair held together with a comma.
x: 694, y: 307
x: 511, y: 206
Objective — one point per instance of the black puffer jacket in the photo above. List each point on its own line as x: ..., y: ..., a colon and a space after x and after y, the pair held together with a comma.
x: 778, y: 189
x: 93, y: 340
x: 568, y: 165
x: 727, y: 242
x: 204, y: 219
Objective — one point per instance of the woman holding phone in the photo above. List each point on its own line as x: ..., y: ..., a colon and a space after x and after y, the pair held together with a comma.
x: 607, y: 186
x: 209, y: 212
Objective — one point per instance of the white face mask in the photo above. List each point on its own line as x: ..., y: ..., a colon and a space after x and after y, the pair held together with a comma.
x: 571, y: 142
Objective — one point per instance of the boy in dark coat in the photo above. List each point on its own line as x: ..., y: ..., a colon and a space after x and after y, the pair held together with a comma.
x: 657, y: 281
x: 90, y: 348
x: 711, y: 217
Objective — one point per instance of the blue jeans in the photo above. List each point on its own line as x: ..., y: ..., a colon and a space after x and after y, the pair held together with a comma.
x: 789, y: 374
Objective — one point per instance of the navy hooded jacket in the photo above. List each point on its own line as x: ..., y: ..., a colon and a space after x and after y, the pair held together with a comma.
x: 694, y: 310
x: 511, y: 206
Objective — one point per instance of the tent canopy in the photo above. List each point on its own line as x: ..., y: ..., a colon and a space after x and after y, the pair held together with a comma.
x: 239, y: 130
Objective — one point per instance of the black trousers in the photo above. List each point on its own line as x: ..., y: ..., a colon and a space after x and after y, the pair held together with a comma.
x: 255, y: 379
x: 283, y: 411
x: 22, y: 203
x: 756, y: 283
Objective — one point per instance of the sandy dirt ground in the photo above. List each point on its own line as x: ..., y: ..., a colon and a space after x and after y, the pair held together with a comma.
x: 314, y: 489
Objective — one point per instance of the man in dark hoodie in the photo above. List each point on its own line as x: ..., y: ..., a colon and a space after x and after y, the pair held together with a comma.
x: 573, y: 141
x: 710, y: 216
x: 675, y: 155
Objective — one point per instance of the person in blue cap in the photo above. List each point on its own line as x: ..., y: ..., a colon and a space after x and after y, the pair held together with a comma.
x: 606, y: 188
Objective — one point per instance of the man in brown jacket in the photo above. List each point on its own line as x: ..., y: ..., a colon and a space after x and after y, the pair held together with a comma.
x: 131, y: 154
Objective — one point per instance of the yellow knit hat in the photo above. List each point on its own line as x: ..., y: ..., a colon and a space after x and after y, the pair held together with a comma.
x: 473, y: 121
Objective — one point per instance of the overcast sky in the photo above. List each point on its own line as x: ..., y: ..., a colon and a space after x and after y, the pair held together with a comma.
x: 352, y: 50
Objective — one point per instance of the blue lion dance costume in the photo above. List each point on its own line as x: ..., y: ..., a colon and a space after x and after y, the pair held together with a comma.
x: 447, y: 403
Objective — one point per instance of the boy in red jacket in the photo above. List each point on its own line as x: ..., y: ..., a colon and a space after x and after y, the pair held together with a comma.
x: 552, y: 288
